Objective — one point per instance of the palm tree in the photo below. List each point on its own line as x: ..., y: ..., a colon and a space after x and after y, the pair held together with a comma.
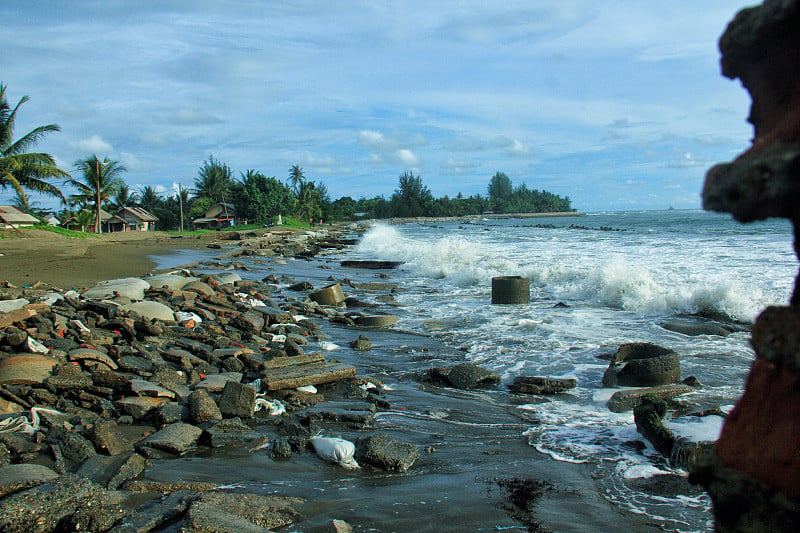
x: 100, y: 182
x: 296, y: 178
x: 149, y: 198
x: 214, y: 180
x: 124, y: 197
x: 18, y: 167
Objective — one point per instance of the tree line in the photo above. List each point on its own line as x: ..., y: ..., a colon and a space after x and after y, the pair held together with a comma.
x: 257, y: 198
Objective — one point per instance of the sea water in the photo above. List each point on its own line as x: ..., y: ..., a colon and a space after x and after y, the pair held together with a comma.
x: 597, y: 281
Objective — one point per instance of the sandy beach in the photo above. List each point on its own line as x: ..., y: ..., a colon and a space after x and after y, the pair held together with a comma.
x: 34, y: 255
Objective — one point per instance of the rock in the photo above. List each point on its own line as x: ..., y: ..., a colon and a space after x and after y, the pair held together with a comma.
x: 237, y: 399
x: 464, y: 376
x: 542, y: 385
x: 376, y: 321
x: 169, y: 281
x: 52, y: 501
x: 694, y: 328
x: 226, y: 278
x: 329, y: 295
x: 90, y: 354
x: 216, y: 382
x: 157, y: 512
x: 199, y: 287
x: 26, y: 369
x: 340, y: 526
x: 641, y: 364
x: 361, y: 344
x: 302, y: 286
x: 150, y: 310
x: 107, y: 437
x: 250, y: 321
x: 14, y: 316
x: 14, y: 478
x: 112, y: 472
x: 384, y: 452
x: 373, y: 265
x: 625, y: 400
x: 203, y: 408
x: 176, y: 438
x: 231, y: 431
x: 229, y: 511
x: 132, y: 288
x: 139, y: 406
x: 280, y: 448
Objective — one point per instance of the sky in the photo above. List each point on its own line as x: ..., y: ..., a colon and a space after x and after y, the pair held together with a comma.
x: 618, y: 105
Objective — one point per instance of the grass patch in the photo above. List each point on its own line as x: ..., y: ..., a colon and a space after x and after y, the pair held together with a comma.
x: 66, y: 232
x: 192, y: 233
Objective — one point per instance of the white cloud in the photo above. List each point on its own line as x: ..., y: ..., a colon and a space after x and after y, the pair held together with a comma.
x: 95, y: 145
x: 512, y: 146
x: 407, y: 157
x: 371, y: 139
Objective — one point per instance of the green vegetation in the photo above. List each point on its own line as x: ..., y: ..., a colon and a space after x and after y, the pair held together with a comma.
x: 20, y: 168
x: 64, y: 231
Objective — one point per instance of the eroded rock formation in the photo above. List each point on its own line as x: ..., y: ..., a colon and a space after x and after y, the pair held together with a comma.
x: 753, y: 475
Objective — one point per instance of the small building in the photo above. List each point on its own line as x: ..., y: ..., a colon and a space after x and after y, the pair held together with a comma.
x: 11, y: 217
x: 51, y: 220
x: 218, y: 216
x: 136, y: 218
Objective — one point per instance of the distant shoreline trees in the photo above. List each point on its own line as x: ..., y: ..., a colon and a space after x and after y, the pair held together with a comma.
x: 256, y: 197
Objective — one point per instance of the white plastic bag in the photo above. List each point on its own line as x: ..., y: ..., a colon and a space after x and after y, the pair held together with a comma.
x: 335, y: 450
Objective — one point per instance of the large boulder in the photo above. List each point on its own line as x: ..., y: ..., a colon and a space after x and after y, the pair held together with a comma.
x: 642, y: 364
x: 132, y: 288
x: 384, y: 452
x: 464, y: 376
x: 151, y: 310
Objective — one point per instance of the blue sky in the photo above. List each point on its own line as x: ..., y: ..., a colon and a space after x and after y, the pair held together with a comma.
x: 618, y: 105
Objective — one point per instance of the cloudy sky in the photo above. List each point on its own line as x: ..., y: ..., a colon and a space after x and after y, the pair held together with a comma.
x: 618, y: 105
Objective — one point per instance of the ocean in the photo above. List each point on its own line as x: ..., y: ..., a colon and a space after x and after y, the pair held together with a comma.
x: 597, y: 281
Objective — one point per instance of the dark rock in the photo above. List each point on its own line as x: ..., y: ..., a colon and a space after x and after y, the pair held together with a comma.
x: 694, y: 328
x: 648, y: 416
x: 108, y: 438
x: 157, y: 512
x: 112, y: 472
x: 302, y: 286
x: 641, y: 364
x: 625, y: 400
x: 169, y: 413
x: 231, y: 431
x: 251, y: 321
x: 14, y: 478
x: 75, y: 447
x: 176, y: 438
x: 542, y: 385
x: 361, y: 344
x: 384, y: 452
x: 280, y: 448
x: 203, y: 408
x: 52, y: 502
x: 69, y: 377
x: 464, y: 376
x: 237, y: 399
x: 292, y: 348
x: 228, y: 511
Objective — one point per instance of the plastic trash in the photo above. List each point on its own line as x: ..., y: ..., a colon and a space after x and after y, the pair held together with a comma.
x: 328, y: 346
x: 274, y: 407
x: 183, y: 316
x: 21, y: 424
x: 335, y: 450
x: 307, y: 388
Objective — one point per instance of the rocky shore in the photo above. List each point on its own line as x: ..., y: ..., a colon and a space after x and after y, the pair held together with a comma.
x: 95, y: 385
x: 99, y: 385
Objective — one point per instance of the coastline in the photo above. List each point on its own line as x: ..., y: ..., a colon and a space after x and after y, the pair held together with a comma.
x: 485, y: 216
x: 469, y: 443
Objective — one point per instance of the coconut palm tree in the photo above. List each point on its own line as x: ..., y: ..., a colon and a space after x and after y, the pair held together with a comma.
x: 148, y: 198
x: 19, y: 168
x: 214, y: 180
x: 101, y: 181
x: 124, y: 197
x: 296, y: 178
